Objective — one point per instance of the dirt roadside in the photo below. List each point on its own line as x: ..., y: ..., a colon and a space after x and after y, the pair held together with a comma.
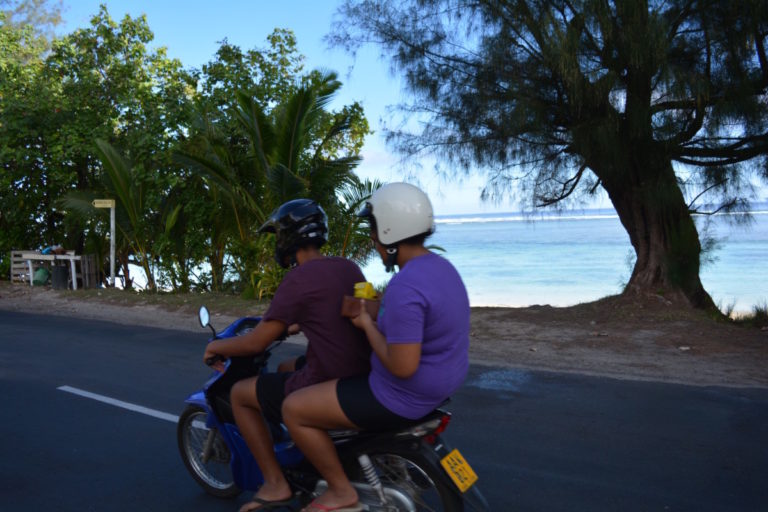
x: 647, y: 339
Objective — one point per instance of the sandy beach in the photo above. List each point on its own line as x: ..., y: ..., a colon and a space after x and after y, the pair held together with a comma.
x: 642, y: 338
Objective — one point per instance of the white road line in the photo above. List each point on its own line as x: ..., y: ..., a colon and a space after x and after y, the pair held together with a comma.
x: 119, y: 403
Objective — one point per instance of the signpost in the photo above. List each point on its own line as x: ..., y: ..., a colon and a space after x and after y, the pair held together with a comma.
x: 109, y: 203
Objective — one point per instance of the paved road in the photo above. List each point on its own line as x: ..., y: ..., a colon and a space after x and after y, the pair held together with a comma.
x: 539, y: 441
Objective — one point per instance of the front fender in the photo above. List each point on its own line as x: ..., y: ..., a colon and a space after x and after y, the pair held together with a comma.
x: 197, y: 398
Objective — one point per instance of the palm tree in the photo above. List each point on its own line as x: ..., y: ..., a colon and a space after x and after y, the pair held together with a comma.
x: 356, y: 243
x: 130, y: 193
x: 291, y: 152
x: 137, y: 226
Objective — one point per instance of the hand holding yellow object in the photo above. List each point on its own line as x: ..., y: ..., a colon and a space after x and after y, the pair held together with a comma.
x: 365, y: 290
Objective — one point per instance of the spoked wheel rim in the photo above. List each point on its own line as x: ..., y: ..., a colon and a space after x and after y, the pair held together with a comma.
x: 215, y: 472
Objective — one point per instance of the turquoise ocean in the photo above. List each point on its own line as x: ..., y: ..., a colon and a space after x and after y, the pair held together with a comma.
x: 509, y: 259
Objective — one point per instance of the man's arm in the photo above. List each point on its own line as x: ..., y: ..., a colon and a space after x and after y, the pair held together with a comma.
x: 251, y: 343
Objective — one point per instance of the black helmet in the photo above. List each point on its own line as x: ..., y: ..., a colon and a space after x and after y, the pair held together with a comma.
x: 297, y: 223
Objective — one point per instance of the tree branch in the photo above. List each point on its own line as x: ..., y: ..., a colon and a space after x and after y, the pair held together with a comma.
x: 568, y: 186
x: 742, y: 150
x: 713, y: 186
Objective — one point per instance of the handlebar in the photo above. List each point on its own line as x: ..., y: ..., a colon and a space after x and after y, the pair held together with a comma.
x: 238, y: 328
x: 215, y: 359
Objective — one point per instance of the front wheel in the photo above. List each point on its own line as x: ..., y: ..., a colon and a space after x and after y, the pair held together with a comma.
x: 205, y: 454
x: 413, y: 482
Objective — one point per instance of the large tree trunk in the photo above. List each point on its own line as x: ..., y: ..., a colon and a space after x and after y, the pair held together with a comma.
x: 216, y: 261
x: 652, y: 209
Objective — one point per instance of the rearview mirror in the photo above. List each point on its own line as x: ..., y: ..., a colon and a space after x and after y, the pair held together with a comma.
x: 204, y: 316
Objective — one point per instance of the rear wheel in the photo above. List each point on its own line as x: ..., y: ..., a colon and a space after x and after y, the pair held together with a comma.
x: 412, y: 480
x: 211, y: 470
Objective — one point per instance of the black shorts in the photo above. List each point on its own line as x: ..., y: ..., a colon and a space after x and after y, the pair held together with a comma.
x: 363, y: 409
x: 270, y: 392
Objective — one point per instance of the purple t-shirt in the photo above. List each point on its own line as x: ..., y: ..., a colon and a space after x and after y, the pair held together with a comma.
x: 310, y: 295
x: 426, y: 302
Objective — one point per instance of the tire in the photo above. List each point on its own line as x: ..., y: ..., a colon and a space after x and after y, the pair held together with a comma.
x: 415, y: 480
x: 214, y: 475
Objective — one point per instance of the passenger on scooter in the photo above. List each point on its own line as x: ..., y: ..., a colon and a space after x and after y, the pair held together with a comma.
x: 309, y: 295
x: 420, y: 345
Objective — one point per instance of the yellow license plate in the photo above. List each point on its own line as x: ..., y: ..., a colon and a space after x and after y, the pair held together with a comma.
x: 459, y: 470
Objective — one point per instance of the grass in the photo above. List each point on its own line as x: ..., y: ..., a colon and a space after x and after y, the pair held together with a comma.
x: 758, y: 318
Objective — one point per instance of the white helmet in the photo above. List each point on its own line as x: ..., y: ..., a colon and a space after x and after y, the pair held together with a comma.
x: 400, y: 211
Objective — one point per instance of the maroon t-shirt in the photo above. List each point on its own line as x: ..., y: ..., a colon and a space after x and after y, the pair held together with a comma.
x: 310, y: 295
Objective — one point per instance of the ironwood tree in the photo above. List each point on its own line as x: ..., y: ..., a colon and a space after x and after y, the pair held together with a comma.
x: 661, y: 104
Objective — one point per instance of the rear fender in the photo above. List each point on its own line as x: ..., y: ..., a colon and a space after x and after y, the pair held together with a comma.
x: 473, y: 498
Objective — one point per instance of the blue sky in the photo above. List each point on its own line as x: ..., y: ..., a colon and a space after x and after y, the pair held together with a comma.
x: 191, y: 30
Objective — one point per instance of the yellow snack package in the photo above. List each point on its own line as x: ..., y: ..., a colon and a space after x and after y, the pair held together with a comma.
x: 364, y: 290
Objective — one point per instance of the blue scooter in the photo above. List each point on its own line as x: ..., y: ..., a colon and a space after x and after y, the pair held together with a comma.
x: 410, y: 469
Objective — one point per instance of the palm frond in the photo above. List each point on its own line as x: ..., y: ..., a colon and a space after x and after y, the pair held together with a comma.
x: 80, y: 203
x: 257, y: 127
x: 283, y: 184
x: 171, y: 218
x: 356, y: 243
x: 120, y: 179
x: 329, y: 176
x: 212, y: 169
x: 326, y: 88
x: 293, y: 128
x: 355, y: 195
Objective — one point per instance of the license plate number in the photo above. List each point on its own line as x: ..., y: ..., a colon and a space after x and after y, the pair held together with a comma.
x: 459, y: 470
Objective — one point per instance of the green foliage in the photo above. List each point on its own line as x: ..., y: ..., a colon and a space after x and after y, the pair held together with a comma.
x: 291, y: 150
x: 41, y: 15
x: 36, y: 20
x: 21, y: 91
x: 349, y: 230
x: 194, y: 159
x: 760, y: 316
x: 135, y: 225
x: 98, y: 82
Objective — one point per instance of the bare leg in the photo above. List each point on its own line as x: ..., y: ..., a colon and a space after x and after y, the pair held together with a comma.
x: 253, y: 428
x: 309, y: 413
x: 289, y: 365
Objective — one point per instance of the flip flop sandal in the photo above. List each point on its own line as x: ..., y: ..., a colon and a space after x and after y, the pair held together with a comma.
x: 270, y: 504
x: 357, y: 507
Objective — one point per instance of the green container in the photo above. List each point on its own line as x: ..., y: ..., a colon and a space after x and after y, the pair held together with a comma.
x: 40, y: 277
